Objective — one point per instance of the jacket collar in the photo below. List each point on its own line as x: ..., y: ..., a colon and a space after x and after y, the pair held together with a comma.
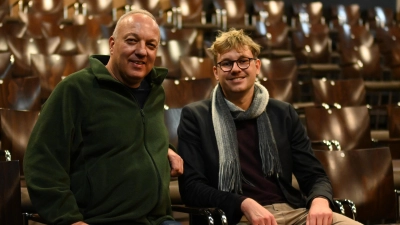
x: 98, y: 62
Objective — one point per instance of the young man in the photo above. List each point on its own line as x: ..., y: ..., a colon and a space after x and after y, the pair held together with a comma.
x: 99, y: 152
x: 240, y: 148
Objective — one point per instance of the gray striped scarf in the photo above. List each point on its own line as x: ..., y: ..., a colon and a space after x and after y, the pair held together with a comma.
x: 223, y: 115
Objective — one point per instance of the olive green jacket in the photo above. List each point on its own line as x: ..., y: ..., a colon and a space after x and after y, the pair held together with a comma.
x: 94, y: 155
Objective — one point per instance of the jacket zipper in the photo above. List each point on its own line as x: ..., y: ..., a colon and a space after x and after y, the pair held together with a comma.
x: 145, y: 146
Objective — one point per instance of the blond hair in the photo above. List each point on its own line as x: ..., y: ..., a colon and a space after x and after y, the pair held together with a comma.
x: 233, y: 39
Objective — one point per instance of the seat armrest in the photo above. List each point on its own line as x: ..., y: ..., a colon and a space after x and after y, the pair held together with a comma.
x: 340, y: 202
x: 209, y: 213
x: 6, y: 154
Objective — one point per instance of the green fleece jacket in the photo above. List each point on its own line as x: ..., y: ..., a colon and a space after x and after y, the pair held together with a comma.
x: 95, y: 155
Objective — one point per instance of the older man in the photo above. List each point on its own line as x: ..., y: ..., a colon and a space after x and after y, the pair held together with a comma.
x: 99, y: 153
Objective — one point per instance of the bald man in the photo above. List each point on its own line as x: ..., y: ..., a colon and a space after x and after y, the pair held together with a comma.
x: 99, y: 153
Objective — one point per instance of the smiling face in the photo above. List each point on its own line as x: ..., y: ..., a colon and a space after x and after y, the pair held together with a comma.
x: 133, y: 49
x: 238, y: 84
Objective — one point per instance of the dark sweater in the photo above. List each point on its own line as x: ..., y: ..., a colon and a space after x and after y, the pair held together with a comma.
x: 264, y: 190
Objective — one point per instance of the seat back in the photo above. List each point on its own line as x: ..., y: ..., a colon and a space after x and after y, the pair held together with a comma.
x: 21, y: 93
x: 191, y: 10
x: 272, y: 36
x: 170, y: 52
x: 365, y: 176
x: 51, y: 69
x: 179, y: 93
x: 350, y: 126
x: 279, y: 77
x: 232, y: 13
x: 361, y: 62
x: 194, y: 38
x: 193, y: 67
x: 16, y: 128
x: 6, y: 63
x: 311, y: 13
x: 380, y: 17
x: 349, y: 92
x: 312, y: 44
x: 394, y: 129
x: 345, y: 14
x: 270, y: 12
x: 22, y: 48
x: 353, y: 36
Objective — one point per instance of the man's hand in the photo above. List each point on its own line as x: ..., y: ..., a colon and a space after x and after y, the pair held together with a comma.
x: 320, y: 213
x: 176, y: 163
x: 256, y: 213
x: 80, y: 223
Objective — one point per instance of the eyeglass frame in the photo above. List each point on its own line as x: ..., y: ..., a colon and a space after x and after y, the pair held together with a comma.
x: 235, y: 61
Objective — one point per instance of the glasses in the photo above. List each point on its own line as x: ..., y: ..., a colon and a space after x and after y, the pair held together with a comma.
x: 242, y: 63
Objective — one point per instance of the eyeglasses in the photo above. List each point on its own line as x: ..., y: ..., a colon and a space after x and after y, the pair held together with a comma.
x: 242, y: 63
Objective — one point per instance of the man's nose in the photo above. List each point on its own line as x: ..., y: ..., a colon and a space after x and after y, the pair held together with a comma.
x: 235, y: 67
x: 141, y: 49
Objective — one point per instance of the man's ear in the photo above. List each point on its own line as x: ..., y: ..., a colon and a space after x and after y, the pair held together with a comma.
x: 215, y: 72
x: 111, y: 42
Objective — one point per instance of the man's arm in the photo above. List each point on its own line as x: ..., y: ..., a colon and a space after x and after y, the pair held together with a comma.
x: 198, y: 185
x: 320, y: 213
x: 80, y: 223
x: 176, y: 163
x: 47, y: 159
x: 256, y: 213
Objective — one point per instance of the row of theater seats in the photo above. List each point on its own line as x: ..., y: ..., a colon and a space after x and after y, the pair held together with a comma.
x: 203, y: 13
x: 349, y: 50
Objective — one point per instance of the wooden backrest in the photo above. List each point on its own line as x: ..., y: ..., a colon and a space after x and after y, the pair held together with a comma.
x: 272, y: 36
x: 312, y: 44
x: 346, y: 92
x: 365, y: 176
x: 363, y: 61
x: 345, y: 14
x: 194, y: 38
x: 178, y: 93
x: 280, y: 68
x: 235, y: 10
x: 313, y: 10
x: 350, y: 36
x: 348, y: 125
x: 191, y: 10
x: 394, y: 129
x: 279, y: 76
x: 170, y: 52
x: 22, y: 48
x: 51, y: 69
x: 193, y: 67
x: 20, y: 93
x: 281, y: 89
x: 16, y: 128
x: 275, y: 10
x: 6, y: 64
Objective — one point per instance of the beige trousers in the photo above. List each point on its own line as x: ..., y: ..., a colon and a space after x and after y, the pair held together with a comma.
x: 286, y: 215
